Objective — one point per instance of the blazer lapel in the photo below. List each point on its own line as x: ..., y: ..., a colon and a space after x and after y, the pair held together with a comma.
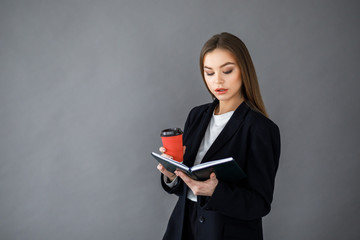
x: 200, y: 133
x: 229, y: 130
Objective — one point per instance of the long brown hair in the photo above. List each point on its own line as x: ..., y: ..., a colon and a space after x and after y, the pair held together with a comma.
x: 250, y: 86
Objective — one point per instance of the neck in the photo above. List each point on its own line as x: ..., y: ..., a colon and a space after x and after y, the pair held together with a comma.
x: 227, y: 106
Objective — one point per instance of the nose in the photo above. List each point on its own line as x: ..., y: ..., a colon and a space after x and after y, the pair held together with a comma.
x: 218, y: 79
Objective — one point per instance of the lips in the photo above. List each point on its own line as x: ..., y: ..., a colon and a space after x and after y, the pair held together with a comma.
x: 221, y: 90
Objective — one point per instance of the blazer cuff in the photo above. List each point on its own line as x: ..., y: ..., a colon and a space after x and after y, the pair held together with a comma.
x: 172, y: 183
x: 170, y: 187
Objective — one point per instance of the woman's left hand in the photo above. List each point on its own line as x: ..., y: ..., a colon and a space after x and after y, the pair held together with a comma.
x: 200, y: 188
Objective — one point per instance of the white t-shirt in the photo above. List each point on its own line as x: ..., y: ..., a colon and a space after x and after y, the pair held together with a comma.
x: 216, y: 125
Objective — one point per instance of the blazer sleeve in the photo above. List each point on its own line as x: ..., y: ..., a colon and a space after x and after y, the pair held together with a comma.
x: 251, y: 199
x: 178, y: 189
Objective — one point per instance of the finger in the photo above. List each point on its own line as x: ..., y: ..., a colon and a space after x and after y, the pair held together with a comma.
x: 168, y: 156
x: 160, y: 167
x: 184, y: 149
x: 163, y: 170
x: 213, y: 175
x: 162, y: 149
x: 188, y: 181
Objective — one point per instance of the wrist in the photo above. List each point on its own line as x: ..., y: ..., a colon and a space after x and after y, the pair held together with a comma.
x: 170, y: 179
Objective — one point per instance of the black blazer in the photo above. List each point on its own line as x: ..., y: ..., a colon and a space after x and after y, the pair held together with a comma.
x: 234, y: 211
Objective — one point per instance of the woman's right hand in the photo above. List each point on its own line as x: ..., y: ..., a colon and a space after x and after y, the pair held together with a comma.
x: 171, y: 176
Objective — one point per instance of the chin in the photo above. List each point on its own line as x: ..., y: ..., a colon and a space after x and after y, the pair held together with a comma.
x: 225, y: 98
x: 222, y: 98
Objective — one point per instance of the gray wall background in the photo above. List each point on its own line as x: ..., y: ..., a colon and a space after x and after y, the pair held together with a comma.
x: 86, y: 87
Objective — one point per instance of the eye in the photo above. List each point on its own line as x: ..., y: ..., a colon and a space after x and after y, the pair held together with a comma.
x: 209, y: 74
x: 228, y: 72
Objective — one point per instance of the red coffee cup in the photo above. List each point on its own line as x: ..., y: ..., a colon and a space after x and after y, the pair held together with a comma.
x: 172, y: 142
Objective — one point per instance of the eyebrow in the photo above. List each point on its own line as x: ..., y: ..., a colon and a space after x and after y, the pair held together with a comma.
x: 225, y: 64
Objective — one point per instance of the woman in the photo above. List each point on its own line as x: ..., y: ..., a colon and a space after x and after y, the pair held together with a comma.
x: 234, y: 125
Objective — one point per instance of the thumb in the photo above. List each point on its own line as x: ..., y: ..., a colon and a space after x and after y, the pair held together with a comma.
x: 212, y: 175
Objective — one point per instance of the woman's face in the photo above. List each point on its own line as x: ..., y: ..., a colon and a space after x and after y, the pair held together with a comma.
x: 222, y: 75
